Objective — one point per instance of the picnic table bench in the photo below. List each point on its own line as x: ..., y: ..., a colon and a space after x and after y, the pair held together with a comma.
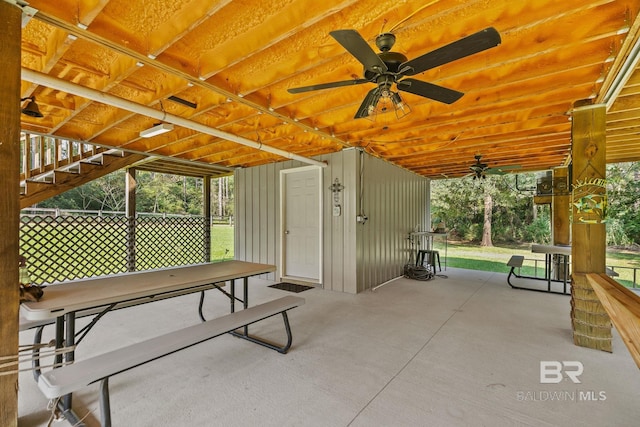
x: 550, y: 251
x: 70, y: 378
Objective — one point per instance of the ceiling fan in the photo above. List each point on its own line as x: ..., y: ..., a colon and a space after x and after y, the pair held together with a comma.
x: 387, y: 67
x: 481, y: 170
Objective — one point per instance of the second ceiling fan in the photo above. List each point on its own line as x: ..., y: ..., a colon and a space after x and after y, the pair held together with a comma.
x: 481, y: 170
x: 387, y: 68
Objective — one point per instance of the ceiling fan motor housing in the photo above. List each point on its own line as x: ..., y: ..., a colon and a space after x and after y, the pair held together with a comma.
x: 391, y: 59
x: 385, y: 41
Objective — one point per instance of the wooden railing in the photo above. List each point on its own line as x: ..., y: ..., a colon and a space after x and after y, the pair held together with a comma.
x: 50, y: 166
x: 41, y: 154
x: 623, y: 307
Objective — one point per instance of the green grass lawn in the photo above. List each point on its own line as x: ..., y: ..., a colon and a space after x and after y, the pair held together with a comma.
x: 475, y: 257
x: 470, y: 256
x: 221, y: 242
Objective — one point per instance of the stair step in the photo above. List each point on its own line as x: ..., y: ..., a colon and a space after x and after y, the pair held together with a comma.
x: 109, y: 157
x: 60, y: 176
x: 33, y: 186
x: 91, y: 162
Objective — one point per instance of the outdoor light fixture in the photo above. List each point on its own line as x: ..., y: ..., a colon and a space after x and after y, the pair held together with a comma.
x: 157, y: 129
x: 400, y: 107
x: 31, y: 109
x: 336, y: 188
x: 382, y: 99
x: 479, y: 175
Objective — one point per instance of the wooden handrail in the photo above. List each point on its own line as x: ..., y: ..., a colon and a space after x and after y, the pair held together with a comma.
x: 41, y: 153
x: 623, y: 307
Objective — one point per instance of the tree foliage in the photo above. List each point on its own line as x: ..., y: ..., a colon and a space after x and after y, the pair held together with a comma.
x: 623, y: 214
x: 460, y: 203
x: 513, y: 217
x: 155, y: 193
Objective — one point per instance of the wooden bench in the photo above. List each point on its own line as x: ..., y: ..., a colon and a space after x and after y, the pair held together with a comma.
x: 514, y: 262
x: 67, y: 379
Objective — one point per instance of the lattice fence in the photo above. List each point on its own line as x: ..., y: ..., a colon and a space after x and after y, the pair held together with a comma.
x: 70, y: 247
x: 163, y: 242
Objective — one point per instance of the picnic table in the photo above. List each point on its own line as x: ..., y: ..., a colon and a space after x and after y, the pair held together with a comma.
x: 63, y: 302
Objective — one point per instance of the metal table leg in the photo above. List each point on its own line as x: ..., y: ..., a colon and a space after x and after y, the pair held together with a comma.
x: 65, y: 336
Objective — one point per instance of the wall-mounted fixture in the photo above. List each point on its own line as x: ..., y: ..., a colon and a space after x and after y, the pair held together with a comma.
x: 157, y: 129
x: 361, y: 218
x: 544, y: 184
x: 31, y: 108
x: 550, y: 185
x: 336, y: 188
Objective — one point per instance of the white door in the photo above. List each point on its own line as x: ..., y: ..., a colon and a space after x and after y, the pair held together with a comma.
x: 301, y: 212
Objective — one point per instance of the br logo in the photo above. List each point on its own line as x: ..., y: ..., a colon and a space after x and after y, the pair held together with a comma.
x: 553, y: 371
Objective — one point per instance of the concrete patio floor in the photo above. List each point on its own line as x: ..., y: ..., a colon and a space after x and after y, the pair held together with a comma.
x: 460, y: 350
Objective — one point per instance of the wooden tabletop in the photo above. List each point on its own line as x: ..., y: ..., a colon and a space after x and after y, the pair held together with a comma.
x: 88, y: 293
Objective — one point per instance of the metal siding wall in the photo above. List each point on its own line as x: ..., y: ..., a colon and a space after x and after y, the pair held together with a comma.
x: 272, y: 221
x: 248, y: 209
x: 355, y: 256
x: 265, y: 227
x: 396, y: 201
x: 334, y: 245
x: 350, y: 229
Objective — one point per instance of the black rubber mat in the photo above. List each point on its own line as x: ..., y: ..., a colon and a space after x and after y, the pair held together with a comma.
x: 291, y: 287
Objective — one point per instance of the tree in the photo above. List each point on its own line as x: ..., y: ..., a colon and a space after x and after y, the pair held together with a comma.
x: 623, y: 210
x: 488, y: 210
x: 106, y: 193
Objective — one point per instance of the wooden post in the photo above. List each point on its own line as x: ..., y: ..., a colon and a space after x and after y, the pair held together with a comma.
x: 561, y: 208
x: 130, y: 207
x: 206, y: 197
x: 591, y: 323
x: 10, y: 21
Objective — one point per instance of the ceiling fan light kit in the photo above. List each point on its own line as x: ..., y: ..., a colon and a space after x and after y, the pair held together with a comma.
x: 157, y: 129
x: 380, y: 102
x: 387, y: 67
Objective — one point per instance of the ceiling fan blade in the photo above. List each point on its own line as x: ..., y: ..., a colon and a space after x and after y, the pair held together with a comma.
x: 327, y: 85
x: 469, y: 45
x: 429, y: 90
x: 501, y: 170
x: 371, y: 99
x: 353, y: 42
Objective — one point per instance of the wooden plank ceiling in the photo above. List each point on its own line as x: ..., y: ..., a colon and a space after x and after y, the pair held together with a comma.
x: 232, y: 61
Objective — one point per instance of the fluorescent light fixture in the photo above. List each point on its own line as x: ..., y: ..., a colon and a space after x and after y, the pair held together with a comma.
x: 158, y: 129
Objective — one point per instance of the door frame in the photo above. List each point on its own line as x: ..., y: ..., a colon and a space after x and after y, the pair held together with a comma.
x: 282, y: 245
